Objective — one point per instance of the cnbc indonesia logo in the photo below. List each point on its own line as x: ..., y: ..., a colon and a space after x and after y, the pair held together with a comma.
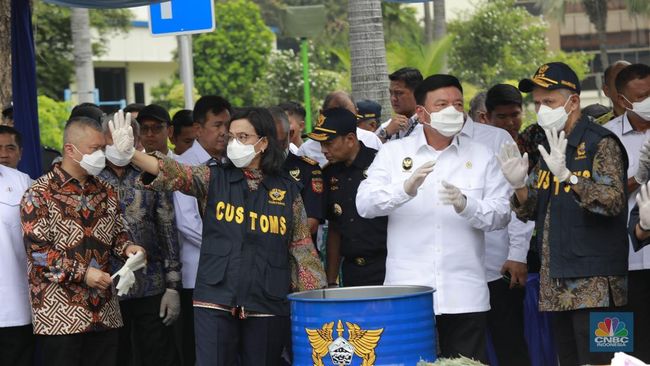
x: 611, y: 332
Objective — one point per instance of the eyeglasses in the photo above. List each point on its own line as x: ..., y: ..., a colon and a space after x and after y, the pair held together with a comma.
x: 145, y: 129
x: 241, y: 137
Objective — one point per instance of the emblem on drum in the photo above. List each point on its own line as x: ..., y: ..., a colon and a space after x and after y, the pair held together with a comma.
x: 360, y: 342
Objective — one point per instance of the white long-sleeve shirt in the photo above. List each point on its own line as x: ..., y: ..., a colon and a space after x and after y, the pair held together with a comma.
x: 188, y: 219
x: 428, y: 242
x: 16, y: 309
x: 633, y: 141
x: 311, y: 148
x: 512, y: 242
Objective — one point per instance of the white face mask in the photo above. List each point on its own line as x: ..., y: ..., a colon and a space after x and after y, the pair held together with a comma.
x: 641, y: 109
x: 240, y: 154
x: 93, y: 163
x: 448, y: 122
x: 549, y: 118
x: 115, y: 157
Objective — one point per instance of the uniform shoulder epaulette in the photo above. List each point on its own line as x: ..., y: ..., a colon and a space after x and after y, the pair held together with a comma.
x: 309, y: 161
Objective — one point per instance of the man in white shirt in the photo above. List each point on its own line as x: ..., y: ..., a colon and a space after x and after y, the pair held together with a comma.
x: 404, y: 120
x: 436, y: 224
x: 16, y: 335
x: 633, y: 129
x: 338, y: 99
x: 505, y: 249
x: 211, y: 113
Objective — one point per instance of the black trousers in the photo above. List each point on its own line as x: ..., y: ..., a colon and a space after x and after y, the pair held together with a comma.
x: 188, y: 352
x: 506, y: 324
x: 225, y: 340
x: 638, y: 302
x: 83, y: 349
x: 572, y: 337
x: 363, y: 271
x: 145, y: 334
x: 462, y: 335
x: 17, y: 345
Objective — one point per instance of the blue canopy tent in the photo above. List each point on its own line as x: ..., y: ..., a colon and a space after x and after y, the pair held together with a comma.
x: 23, y: 71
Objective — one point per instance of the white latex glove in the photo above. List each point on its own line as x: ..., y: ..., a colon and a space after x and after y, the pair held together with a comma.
x: 170, y: 306
x: 127, y: 278
x: 621, y: 359
x: 556, y: 159
x: 513, y: 165
x: 643, y: 200
x: 643, y: 171
x: 416, y: 179
x: 451, y: 195
x: 122, y: 134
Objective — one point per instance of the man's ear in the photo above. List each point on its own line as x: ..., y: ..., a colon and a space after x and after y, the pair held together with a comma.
x: 606, y: 90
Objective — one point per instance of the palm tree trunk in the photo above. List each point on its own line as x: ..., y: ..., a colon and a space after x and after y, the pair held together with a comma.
x: 597, y: 12
x: 439, y: 20
x: 82, y: 53
x: 368, y: 52
x: 5, y: 52
x: 428, y: 23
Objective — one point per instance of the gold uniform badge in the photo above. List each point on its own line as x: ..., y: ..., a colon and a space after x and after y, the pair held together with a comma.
x: 277, y: 196
x: 360, y: 342
x: 581, y: 152
x: 407, y: 163
x: 295, y: 174
x: 337, y: 209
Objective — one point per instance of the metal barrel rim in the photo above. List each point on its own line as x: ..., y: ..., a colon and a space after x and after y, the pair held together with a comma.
x: 338, y: 294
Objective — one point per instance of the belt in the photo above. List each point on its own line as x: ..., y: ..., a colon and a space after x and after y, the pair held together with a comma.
x: 237, y: 311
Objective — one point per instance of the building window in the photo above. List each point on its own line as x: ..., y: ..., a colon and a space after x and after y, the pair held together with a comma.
x: 138, y: 92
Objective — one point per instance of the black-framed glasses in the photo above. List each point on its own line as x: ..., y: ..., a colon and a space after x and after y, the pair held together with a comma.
x: 241, y: 137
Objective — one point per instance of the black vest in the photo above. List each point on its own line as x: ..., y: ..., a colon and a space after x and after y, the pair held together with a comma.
x: 245, y: 250
x: 581, y: 243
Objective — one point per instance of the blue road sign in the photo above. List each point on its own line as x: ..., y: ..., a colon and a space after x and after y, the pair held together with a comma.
x: 181, y: 17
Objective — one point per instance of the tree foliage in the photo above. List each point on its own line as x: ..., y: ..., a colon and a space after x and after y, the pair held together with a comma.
x: 502, y: 42
x: 53, y: 40
x: 230, y: 60
x: 283, y: 81
x: 52, y: 116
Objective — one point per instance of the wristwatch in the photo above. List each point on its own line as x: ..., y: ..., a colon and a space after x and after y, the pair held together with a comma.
x: 382, y: 134
x: 573, y: 179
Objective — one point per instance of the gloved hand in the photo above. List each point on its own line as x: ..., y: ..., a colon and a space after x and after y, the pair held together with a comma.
x: 451, y: 195
x: 122, y: 134
x: 170, y: 306
x: 556, y: 159
x: 416, y: 179
x: 127, y: 278
x: 643, y: 200
x: 513, y: 165
x: 643, y: 171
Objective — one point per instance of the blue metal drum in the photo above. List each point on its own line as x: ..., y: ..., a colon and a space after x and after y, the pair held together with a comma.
x: 363, y: 326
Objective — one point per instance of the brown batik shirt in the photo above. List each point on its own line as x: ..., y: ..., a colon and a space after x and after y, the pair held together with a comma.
x: 69, y: 227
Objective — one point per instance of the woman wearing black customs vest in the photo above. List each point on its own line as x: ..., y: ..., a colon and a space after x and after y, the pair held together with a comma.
x: 256, y: 245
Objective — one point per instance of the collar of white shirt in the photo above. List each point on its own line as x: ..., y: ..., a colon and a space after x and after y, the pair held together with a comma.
x: 421, y: 142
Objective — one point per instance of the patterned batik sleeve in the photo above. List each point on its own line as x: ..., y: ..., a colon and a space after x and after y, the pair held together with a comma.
x: 122, y: 238
x: 604, y: 192
x: 168, y: 239
x: 51, y: 263
x: 527, y: 210
x: 307, y: 271
x: 174, y: 176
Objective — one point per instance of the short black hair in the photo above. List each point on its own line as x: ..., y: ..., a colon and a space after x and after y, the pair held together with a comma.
x: 181, y: 119
x: 293, y: 109
x: 8, y: 130
x: 89, y: 110
x: 262, y: 121
x: 210, y: 103
x: 502, y: 94
x: 134, y: 107
x: 411, y: 77
x: 629, y: 73
x: 435, y: 82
